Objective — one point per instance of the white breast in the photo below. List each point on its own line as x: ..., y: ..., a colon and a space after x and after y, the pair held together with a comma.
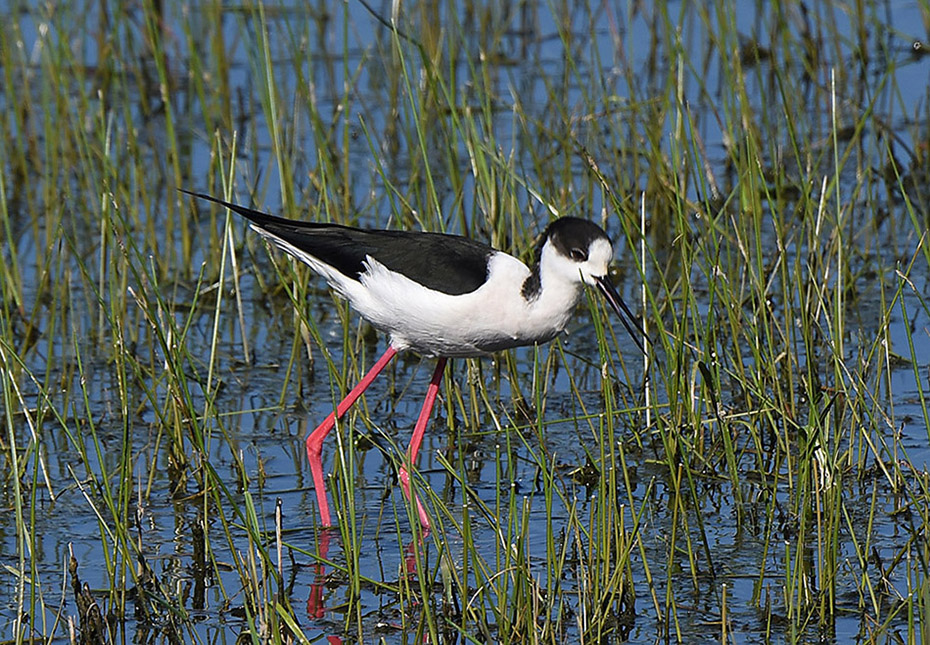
x: 494, y: 317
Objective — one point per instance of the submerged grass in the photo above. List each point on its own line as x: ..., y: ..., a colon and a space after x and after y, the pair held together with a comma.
x: 761, y: 476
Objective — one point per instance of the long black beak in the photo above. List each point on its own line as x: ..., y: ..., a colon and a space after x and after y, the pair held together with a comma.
x: 633, y: 327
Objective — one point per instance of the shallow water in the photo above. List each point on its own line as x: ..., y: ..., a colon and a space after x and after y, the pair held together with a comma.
x: 268, y: 410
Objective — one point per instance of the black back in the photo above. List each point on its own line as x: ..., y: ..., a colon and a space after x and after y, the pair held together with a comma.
x: 449, y: 264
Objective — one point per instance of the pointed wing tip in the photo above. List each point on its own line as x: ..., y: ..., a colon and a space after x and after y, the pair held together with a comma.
x: 258, y: 219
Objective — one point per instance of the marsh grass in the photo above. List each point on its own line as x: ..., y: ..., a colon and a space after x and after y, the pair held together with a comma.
x: 760, y: 474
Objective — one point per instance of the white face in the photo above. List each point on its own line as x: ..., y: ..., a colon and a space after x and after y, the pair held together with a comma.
x: 599, y: 255
x: 581, y: 264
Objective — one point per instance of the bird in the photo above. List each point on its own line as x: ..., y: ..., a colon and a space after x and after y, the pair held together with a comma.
x: 444, y: 296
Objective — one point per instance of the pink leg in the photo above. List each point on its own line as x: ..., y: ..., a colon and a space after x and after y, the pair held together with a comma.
x: 315, y: 606
x: 315, y: 440
x: 419, y: 429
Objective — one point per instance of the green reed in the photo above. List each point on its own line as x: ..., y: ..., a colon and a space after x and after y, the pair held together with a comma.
x: 766, y: 442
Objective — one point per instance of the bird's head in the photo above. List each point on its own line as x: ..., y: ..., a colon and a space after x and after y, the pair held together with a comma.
x: 576, y: 251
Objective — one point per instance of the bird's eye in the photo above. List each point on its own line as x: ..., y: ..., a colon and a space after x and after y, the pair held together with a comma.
x: 578, y: 255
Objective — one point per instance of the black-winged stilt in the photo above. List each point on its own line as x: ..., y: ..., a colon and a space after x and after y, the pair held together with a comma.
x: 445, y: 296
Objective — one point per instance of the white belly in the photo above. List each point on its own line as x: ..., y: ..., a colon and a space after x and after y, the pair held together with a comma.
x: 492, y: 318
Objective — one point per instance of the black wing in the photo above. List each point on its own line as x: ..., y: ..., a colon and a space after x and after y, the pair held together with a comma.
x: 450, y: 264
